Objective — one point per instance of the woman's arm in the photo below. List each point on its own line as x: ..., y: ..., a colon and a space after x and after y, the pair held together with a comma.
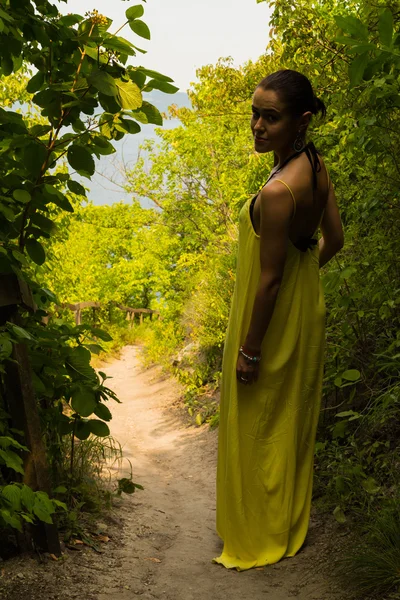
x: 332, y: 239
x: 276, y: 209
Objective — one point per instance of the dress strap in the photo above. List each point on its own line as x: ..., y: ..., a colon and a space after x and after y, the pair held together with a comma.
x: 294, y: 199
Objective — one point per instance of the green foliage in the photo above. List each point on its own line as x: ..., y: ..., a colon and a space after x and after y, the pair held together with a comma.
x: 373, y: 568
x: 82, y: 95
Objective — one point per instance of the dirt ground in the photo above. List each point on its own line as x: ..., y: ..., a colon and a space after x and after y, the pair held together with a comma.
x: 162, y: 539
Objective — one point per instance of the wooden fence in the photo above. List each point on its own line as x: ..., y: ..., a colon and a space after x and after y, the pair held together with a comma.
x: 131, y: 313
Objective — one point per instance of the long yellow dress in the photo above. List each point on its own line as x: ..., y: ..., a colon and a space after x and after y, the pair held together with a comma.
x: 267, y: 429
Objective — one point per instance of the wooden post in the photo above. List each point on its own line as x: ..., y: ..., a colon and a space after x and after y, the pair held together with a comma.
x: 22, y: 404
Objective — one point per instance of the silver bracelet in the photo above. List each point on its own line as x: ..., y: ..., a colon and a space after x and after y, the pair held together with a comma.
x: 254, y: 359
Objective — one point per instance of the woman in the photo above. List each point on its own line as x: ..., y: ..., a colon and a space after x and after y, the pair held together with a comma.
x: 273, y: 357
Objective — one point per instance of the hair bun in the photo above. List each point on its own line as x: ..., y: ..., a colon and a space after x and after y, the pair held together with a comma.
x: 319, y: 106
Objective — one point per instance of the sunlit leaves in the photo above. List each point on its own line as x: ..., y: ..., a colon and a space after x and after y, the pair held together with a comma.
x: 129, y: 94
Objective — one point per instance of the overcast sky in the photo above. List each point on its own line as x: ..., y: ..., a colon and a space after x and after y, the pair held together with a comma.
x: 187, y: 34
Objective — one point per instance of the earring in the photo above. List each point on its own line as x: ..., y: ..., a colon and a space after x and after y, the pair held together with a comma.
x: 299, y: 144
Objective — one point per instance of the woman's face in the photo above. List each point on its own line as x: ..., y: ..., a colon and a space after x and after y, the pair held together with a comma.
x: 273, y: 128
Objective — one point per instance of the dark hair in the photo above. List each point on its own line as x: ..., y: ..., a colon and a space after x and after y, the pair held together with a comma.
x: 295, y: 90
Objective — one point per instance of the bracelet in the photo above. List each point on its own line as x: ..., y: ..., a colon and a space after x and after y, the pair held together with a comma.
x: 254, y: 359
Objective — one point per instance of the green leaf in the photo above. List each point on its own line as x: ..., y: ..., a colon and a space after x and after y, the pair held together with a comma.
x: 38, y: 384
x: 70, y: 20
x: 103, y: 82
x: 134, y: 12
x: 76, y: 188
x: 106, y: 124
x: 80, y: 159
x: 35, y: 83
x: 35, y: 155
x: 155, y: 75
x: 12, y: 460
x: 13, y: 494
x: 84, y: 402
x: 339, y: 515
x: 35, y: 251
x: 347, y: 413
x: 119, y: 44
x: 10, y: 519
x: 43, y: 222
x: 5, y: 347
x: 153, y: 115
x: 28, y: 498
x: 99, y: 428
x: 82, y: 430
x: 79, y: 360
x: 370, y: 485
x: 164, y: 86
x: 353, y: 26
x: 357, y: 69
x: 129, y: 94
x: 53, y: 195
x: 22, y: 196
x: 199, y: 419
x: 140, y: 28
x: 103, y: 335
x: 385, y: 27
x: 61, y: 489
x: 351, y: 375
x: 42, y: 514
x: 103, y: 412
x: 21, y: 333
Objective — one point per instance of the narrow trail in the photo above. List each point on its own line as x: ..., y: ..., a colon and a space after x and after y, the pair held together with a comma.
x: 172, y: 520
x: 162, y: 539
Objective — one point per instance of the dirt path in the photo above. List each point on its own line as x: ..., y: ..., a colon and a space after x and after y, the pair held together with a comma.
x: 163, y: 549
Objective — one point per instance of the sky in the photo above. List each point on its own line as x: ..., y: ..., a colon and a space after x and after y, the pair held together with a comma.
x: 185, y: 35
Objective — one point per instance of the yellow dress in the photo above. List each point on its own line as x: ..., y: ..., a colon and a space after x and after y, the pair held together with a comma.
x: 267, y: 429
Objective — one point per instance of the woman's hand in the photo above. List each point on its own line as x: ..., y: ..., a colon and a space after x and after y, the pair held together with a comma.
x: 246, y: 372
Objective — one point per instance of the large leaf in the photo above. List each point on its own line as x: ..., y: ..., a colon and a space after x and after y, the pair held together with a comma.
x: 353, y: 26
x: 22, y: 196
x: 35, y: 83
x: 84, y: 402
x: 36, y: 251
x: 79, y: 360
x: 80, y: 159
x: 53, y: 195
x: 164, y: 86
x: 155, y: 74
x: 76, y: 188
x: 357, y: 69
x: 385, y: 27
x: 82, y: 430
x: 134, y: 12
x: 103, y: 82
x: 13, y: 494
x: 103, y: 412
x: 119, y: 44
x: 129, y: 94
x: 151, y: 114
x: 12, y: 460
x: 10, y: 519
x: 28, y: 498
x: 100, y: 333
x: 140, y: 28
x: 352, y: 375
x: 99, y: 428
